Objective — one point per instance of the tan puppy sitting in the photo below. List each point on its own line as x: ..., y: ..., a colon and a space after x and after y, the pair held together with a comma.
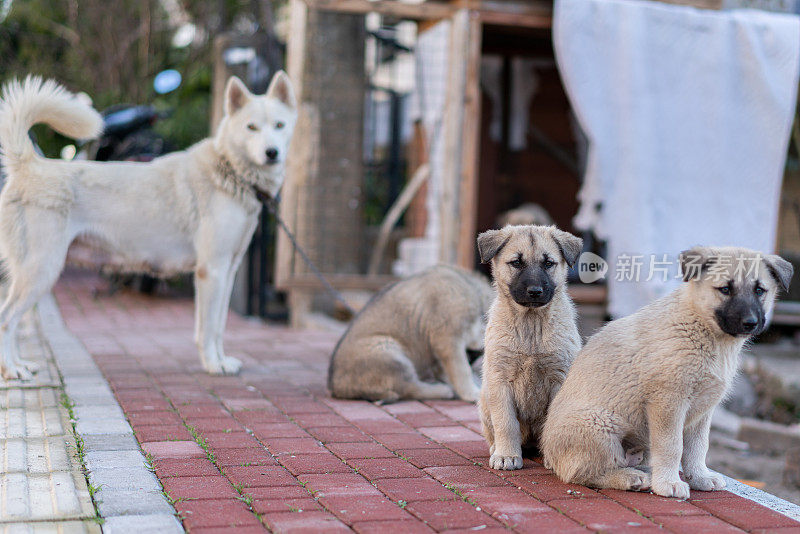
x: 650, y: 381
x: 531, y: 336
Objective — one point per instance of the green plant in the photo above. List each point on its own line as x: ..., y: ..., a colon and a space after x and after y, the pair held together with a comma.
x: 94, y: 490
x: 148, y: 462
x: 201, y: 441
x: 168, y: 497
x: 80, y: 452
x: 461, y: 495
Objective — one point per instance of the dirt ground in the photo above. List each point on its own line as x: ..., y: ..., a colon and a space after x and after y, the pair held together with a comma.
x: 750, y: 466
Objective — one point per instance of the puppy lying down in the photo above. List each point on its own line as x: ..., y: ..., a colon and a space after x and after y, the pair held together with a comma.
x: 411, y: 340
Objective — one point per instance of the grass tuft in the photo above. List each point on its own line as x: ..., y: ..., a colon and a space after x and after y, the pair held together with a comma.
x: 80, y: 452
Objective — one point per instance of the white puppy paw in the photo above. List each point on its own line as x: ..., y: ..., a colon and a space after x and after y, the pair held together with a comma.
x: 16, y: 372
x: 222, y: 366
x: 706, y: 482
x: 505, y: 462
x: 470, y: 394
x: 231, y: 366
x: 33, y: 367
x: 671, y: 488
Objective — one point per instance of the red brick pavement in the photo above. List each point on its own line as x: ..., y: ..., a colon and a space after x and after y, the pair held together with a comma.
x: 269, y: 449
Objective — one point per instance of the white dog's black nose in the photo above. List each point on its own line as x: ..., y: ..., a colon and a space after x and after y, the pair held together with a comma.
x: 272, y: 153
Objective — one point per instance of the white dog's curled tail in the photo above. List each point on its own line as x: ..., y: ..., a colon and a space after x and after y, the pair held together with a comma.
x: 33, y: 100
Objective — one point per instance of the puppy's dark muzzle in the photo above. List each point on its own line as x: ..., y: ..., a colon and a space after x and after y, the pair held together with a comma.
x: 532, y: 288
x: 741, y: 317
x: 532, y: 296
x: 750, y: 324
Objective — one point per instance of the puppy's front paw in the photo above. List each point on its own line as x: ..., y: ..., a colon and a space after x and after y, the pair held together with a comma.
x: 505, y: 463
x: 706, y: 482
x: 636, y: 480
x: 671, y: 488
x: 231, y: 366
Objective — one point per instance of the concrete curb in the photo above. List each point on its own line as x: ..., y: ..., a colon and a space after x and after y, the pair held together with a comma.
x: 130, y: 495
x: 763, y: 498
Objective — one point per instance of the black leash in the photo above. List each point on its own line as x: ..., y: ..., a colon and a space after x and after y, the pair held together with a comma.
x: 272, y: 206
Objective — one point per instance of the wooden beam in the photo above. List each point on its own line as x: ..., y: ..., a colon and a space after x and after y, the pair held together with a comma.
x: 588, y: 294
x: 536, y: 15
x: 527, y: 13
x: 340, y: 281
x: 700, y: 4
x: 452, y: 137
x: 524, y: 20
x: 470, y: 146
x: 424, y: 11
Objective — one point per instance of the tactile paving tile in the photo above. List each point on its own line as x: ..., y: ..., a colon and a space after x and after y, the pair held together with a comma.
x: 55, y: 495
x: 31, y: 423
x: 35, y: 455
x: 31, y: 349
x: 29, y: 398
x: 42, y: 486
x: 51, y: 527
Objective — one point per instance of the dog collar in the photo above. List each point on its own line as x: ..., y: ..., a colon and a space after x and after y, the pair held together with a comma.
x: 239, y: 182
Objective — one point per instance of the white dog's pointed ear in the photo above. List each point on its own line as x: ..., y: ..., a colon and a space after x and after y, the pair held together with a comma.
x: 570, y: 245
x: 236, y: 95
x: 281, y: 88
x: 490, y: 243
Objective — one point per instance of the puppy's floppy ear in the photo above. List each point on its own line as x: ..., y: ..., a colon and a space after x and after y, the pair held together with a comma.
x: 570, y: 245
x: 281, y: 88
x: 236, y: 95
x: 490, y: 243
x: 693, y: 261
x: 780, y: 269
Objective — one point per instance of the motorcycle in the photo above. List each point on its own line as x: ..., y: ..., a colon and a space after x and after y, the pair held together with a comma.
x: 128, y: 133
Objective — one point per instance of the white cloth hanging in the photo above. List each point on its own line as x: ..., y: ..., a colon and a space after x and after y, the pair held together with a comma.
x: 688, y: 114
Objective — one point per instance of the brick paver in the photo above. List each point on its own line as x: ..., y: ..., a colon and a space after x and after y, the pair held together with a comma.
x: 269, y: 449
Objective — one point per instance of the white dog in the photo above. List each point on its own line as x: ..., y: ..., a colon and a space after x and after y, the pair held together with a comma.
x: 194, y: 210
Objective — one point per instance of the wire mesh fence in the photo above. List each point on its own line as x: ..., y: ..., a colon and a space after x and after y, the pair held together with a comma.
x: 365, y: 95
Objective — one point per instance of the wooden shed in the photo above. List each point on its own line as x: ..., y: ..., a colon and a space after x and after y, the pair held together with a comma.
x: 506, y: 135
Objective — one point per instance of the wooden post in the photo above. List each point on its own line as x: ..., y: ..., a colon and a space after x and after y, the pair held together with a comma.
x: 452, y: 130
x: 298, y: 165
x: 321, y: 200
x: 470, y: 145
x: 299, y: 157
x: 218, y: 80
